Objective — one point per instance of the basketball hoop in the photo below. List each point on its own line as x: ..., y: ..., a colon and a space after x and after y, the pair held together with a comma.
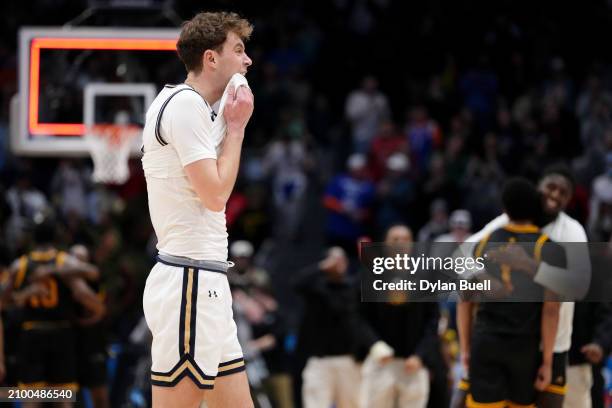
x: 109, y: 147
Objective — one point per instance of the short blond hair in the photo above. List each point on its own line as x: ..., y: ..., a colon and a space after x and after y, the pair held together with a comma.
x: 208, y: 31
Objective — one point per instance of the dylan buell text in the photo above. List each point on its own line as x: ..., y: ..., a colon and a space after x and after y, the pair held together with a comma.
x: 424, y: 285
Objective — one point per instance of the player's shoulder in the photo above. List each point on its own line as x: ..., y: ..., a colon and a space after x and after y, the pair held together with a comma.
x: 186, y: 96
x: 496, y: 223
x: 572, y: 227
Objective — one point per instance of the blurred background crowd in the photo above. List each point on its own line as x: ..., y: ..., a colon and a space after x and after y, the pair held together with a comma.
x: 368, y: 114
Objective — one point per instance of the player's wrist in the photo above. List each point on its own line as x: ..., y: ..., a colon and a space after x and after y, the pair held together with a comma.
x: 235, y: 134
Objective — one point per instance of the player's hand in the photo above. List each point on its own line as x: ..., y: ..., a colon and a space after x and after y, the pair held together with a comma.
x: 592, y: 352
x: 413, y: 364
x: 512, y: 255
x: 381, y: 352
x: 238, y: 109
x: 543, y: 378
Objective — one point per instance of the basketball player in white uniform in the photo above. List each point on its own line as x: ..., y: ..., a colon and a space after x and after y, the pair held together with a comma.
x: 192, y: 142
x: 556, y: 186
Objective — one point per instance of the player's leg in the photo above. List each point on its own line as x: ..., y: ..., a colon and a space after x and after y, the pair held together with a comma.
x: 91, y: 364
x: 523, y: 358
x: 488, y: 384
x: 554, y: 394
x: 377, y: 384
x: 230, y: 391
x: 170, y: 312
x: 31, y: 362
x: 61, y: 370
x: 99, y: 396
x: 185, y: 394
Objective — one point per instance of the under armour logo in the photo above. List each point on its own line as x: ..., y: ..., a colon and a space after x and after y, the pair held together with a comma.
x: 212, y: 293
x: 213, y: 115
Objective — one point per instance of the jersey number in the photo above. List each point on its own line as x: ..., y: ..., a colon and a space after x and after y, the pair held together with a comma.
x: 48, y: 300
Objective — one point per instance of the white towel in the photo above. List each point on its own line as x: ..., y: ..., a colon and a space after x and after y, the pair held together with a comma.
x: 219, y: 125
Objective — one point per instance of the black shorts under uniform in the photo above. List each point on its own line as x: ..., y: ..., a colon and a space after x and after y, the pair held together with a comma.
x: 503, y: 369
x: 46, y: 355
x: 91, y: 356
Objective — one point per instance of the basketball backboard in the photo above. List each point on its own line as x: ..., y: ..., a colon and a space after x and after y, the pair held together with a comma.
x: 72, y: 78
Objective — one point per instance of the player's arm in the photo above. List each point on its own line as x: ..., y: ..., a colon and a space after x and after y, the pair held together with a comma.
x: 70, y: 267
x: 82, y: 293
x: 8, y: 286
x: 15, y: 290
x: 572, y: 280
x: 464, y: 326
x: 19, y: 297
x: 549, y: 323
x: 213, y: 180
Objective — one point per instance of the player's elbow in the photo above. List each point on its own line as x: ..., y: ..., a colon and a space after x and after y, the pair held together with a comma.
x: 215, y: 203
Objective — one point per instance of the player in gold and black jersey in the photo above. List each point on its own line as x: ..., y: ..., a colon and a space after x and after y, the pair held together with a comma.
x: 48, y: 284
x: 502, y: 346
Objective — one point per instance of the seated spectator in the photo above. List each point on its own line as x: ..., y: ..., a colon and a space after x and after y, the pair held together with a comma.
x: 348, y: 200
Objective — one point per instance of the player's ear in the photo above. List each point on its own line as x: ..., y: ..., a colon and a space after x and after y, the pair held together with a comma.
x: 209, y: 59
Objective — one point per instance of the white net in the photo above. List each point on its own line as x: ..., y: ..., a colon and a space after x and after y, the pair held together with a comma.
x: 109, y: 146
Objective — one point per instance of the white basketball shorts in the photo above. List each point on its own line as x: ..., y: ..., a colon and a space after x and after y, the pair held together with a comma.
x: 188, y: 308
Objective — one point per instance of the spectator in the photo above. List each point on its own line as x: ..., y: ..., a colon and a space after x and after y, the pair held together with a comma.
x: 365, y: 109
x: 591, y: 342
x: 460, y: 223
x: 387, y: 142
x: 330, y: 332
x: 348, y: 200
x: 396, y: 193
x: 479, y: 88
x: 68, y: 189
x: 410, y: 329
x: 286, y: 162
x: 600, y: 215
x: 438, y: 221
x: 26, y: 204
x: 424, y: 136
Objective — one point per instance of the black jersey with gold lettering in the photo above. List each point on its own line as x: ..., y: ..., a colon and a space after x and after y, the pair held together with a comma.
x: 57, y: 303
x: 511, y: 316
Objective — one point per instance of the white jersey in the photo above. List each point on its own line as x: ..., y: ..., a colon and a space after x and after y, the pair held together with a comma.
x: 184, y: 226
x: 563, y: 229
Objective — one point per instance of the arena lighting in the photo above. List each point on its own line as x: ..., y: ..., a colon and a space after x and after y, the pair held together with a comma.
x: 77, y: 129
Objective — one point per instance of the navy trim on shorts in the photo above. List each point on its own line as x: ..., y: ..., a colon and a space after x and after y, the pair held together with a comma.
x: 194, y: 309
x: 182, y: 315
x: 239, y: 368
x: 186, y: 372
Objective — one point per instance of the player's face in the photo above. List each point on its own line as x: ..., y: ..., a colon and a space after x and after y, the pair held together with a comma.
x: 556, y: 193
x: 399, y: 235
x: 233, y: 57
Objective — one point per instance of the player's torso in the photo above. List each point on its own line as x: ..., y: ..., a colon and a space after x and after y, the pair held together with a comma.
x: 57, y: 303
x: 515, y: 315
x: 183, y: 226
